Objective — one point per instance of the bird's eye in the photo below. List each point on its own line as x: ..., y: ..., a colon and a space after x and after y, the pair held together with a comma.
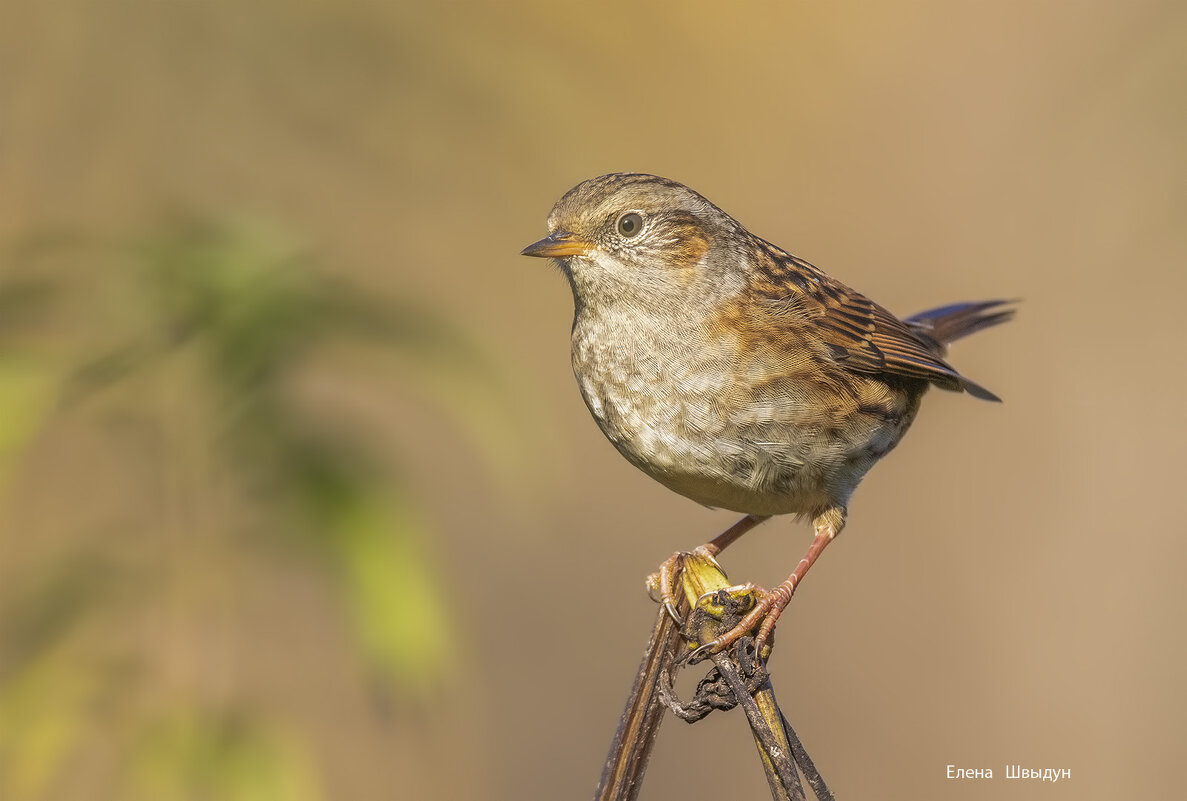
x: 630, y: 224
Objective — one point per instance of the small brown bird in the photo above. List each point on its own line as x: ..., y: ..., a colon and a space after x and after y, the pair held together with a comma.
x: 733, y: 372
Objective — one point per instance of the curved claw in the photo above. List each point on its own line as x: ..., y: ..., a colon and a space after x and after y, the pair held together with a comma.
x: 672, y: 613
x: 703, y: 651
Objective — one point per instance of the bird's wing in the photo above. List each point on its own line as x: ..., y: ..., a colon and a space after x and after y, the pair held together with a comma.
x: 859, y: 335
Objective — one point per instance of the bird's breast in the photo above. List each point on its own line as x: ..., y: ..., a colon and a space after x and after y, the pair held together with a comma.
x: 728, y: 428
x: 649, y: 397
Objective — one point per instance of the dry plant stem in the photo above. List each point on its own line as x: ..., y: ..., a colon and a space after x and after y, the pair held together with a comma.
x: 767, y: 723
x: 702, y: 582
x: 805, y: 763
x: 622, y: 774
x: 704, y: 586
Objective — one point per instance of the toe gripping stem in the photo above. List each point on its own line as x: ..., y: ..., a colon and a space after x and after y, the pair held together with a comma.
x: 738, y: 676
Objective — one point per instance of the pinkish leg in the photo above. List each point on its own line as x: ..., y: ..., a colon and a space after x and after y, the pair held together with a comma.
x: 828, y: 525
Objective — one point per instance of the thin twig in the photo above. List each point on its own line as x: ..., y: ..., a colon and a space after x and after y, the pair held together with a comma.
x: 773, y: 748
x: 622, y: 774
x: 709, y: 606
x: 811, y: 775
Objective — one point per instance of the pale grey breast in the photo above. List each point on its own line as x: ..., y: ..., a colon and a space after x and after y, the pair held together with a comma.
x: 714, y: 431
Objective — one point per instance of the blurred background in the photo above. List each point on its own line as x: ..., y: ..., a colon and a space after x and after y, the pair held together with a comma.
x: 298, y: 499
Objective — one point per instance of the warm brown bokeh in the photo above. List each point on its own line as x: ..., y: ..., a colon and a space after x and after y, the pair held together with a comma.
x: 1009, y: 587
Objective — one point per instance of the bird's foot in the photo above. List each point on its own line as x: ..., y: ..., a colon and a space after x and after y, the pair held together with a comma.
x: 661, y: 586
x: 762, y: 617
x: 772, y: 603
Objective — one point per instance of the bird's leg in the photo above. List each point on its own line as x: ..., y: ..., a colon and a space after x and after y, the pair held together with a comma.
x: 670, y: 569
x: 828, y: 525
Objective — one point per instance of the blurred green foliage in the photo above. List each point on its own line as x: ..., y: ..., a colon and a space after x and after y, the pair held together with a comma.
x: 232, y: 757
x: 25, y: 382
x: 204, y: 334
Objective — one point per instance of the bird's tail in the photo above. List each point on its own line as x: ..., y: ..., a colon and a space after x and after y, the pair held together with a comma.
x: 947, y: 324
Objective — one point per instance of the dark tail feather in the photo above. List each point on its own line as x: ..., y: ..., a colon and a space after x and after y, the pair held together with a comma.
x: 978, y: 391
x: 938, y: 327
x: 950, y: 323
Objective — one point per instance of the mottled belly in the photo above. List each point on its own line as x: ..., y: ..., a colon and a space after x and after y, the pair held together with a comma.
x: 756, y: 456
x: 742, y: 437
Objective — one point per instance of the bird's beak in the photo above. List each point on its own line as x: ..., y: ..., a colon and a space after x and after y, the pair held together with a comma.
x: 558, y: 244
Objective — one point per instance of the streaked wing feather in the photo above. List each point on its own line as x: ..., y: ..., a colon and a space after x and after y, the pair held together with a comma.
x: 859, y: 334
